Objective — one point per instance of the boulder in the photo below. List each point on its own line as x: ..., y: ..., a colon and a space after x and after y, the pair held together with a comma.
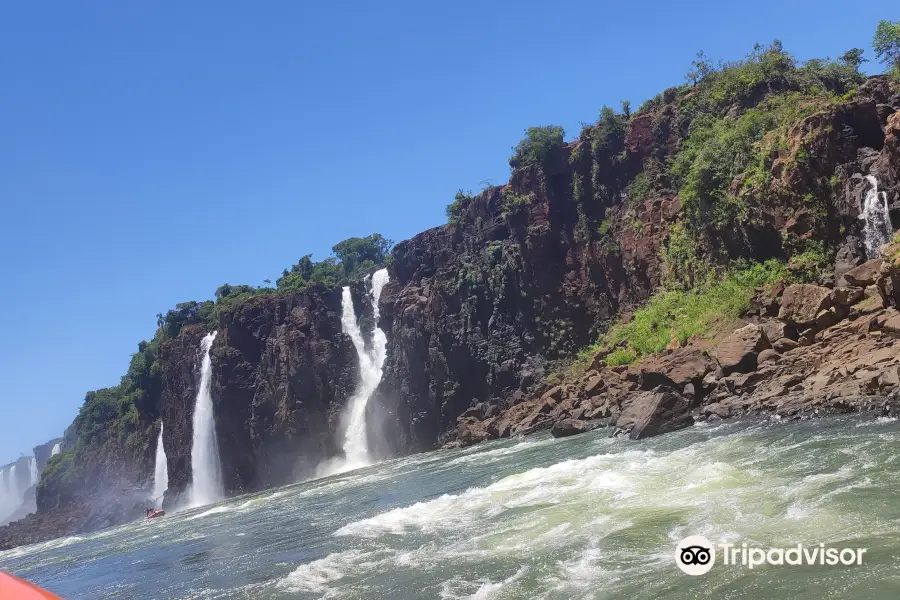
x: 568, y: 427
x: 594, y: 385
x: 776, y: 329
x: 865, y: 274
x: 849, y: 255
x: 683, y: 366
x: 652, y: 413
x: 767, y: 355
x: 739, y: 351
x: 801, y: 303
x: 847, y: 296
x: 784, y: 344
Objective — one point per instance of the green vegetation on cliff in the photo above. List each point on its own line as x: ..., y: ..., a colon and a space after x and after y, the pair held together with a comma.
x: 683, y: 314
x: 113, y: 427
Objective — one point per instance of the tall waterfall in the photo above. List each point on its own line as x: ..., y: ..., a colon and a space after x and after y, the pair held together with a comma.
x: 161, y: 470
x: 356, y: 449
x: 877, y: 228
x: 56, y: 449
x: 33, y: 472
x: 206, y: 481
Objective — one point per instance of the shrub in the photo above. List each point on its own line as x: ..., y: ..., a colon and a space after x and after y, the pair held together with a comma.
x: 536, y: 146
x: 454, y: 209
x: 512, y: 203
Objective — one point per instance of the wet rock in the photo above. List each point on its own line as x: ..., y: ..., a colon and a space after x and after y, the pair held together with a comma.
x: 738, y: 352
x: 802, y: 302
x: 569, y: 427
x: 646, y: 414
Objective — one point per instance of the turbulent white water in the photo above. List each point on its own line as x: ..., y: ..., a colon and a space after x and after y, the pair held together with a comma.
x: 56, y: 449
x: 206, y: 479
x: 161, y: 470
x: 371, y: 361
x: 877, y: 228
x: 582, y: 518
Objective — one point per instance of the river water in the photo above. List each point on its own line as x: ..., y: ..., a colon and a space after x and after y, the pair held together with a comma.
x: 583, y: 517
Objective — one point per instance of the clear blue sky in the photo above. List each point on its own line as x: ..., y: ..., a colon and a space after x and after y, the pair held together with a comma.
x: 153, y: 151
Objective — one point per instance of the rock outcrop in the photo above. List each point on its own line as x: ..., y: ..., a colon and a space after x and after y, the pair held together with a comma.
x: 849, y: 366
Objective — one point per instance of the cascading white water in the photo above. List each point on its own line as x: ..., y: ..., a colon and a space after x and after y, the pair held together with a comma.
x: 356, y: 450
x: 56, y: 449
x: 160, y: 471
x: 206, y: 480
x: 877, y: 228
x: 10, y: 493
x: 33, y: 471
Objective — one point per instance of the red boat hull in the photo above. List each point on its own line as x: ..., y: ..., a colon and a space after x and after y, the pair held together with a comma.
x: 13, y: 588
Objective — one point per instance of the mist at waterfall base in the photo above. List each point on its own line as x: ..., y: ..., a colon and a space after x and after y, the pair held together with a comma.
x: 582, y: 517
x: 16, y: 489
x: 371, y: 362
x: 877, y: 228
x: 206, y: 480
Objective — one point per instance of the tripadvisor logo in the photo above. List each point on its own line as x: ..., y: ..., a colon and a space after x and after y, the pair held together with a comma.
x: 696, y: 555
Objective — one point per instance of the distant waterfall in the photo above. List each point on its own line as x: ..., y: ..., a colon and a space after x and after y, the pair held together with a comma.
x: 206, y: 481
x: 33, y: 472
x: 10, y: 492
x: 55, y: 450
x: 877, y: 228
x: 161, y: 470
x: 356, y: 449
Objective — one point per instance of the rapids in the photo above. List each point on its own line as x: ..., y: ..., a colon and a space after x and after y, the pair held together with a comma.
x: 580, y: 517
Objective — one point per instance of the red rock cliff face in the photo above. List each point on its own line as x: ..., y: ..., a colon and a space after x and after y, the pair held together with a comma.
x: 282, y: 372
x: 475, y: 309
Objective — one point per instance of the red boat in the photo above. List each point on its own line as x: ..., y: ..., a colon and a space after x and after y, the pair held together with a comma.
x: 13, y: 588
x: 152, y: 514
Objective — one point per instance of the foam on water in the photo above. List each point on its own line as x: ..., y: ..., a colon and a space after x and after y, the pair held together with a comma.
x: 585, y: 517
x: 213, y: 511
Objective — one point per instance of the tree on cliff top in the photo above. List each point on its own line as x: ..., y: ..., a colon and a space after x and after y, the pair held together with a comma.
x: 537, y: 145
x: 887, y: 44
x: 353, y: 259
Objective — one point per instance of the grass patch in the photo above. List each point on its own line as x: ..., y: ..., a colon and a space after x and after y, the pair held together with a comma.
x: 701, y: 312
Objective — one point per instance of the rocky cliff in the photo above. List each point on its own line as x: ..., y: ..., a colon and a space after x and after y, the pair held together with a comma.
x: 477, y: 311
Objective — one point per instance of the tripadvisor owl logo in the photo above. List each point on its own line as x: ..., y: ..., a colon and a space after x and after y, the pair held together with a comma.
x: 695, y: 555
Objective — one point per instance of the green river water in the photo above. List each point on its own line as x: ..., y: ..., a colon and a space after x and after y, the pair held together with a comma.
x: 582, y: 517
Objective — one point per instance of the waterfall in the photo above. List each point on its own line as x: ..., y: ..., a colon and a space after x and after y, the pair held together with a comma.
x: 161, y: 470
x: 206, y: 480
x: 55, y: 450
x: 877, y: 228
x: 33, y: 471
x: 356, y: 451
